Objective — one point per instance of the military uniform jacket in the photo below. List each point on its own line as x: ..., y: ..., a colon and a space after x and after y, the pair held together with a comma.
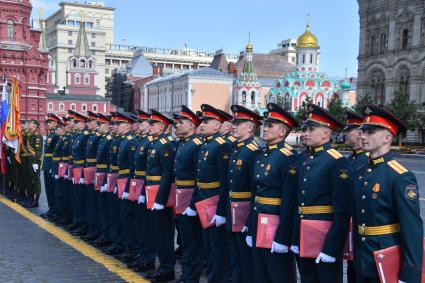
x: 78, y: 150
x: 386, y: 193
x: 102, y: 156
x: 113, y: 153
x: 48, y: 151
x: 213, y: 170
x: 34, y: 146
x: 357, y: 159
x: 241, y: 173
x: 65, y: 148
x: 159, y: 167
x: 140, y: 158
x: 57, y: 155
x: 91, y: 148
x: 125, y: 158
x: 275, y: 182
x: 325, y: 180
x: 72, y: 135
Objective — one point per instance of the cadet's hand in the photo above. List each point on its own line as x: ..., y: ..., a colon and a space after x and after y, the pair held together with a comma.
x: 8, y: 159
x: 189, y: 212
x: 81, y: 181
x: 325, y: 258
x: 73, y: 180
x: 399, y: 281
x: 115, y: 190
x: 295, y: 249
x: 244, y: 229
x: 157, y: 206
x: 65, y: 176
x: 35, y: 167
x: 248, y: 240
x: 218, y: 220
x: 278, y: 248
x: 57, y: 177
x: 103, y: 189
x: 142, y: 199
x: 125, y: 195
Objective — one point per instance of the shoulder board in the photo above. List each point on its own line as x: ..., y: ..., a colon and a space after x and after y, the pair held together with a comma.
x: 252, y: 146
x: 334, y: 153
x: 150, y: 138
x: 108, y: 137
x: 232, y: 139
x: 220, y: 140
x: 197, y: 141
x: 400, y: 169
x: 288, y: 146
x: 129, y: 138
x: 163, y: 141
x: 170, y: 138
x: 286, y: 151
x: 98, y: 134
x: 86, y: 132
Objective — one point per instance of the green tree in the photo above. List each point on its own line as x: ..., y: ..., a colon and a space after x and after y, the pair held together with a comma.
x: 405, y: 110
x: 336, y: 108
x: 363, y: 101
x: 302, y: 112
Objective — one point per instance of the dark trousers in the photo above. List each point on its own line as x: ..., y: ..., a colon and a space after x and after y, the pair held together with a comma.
x: 191, y: 237
x: 163, y: 224
x: 215, y: 249
x: 368, y: 280
x: 351, y: 272
x: 312, y: 272
x: 50, y: 191
x: 145, y: 233
x: 81, y: 193
x: 59, y: 196
x: 272, y: 267
x: 75, y: 205
x: 92, y: 211
x: 128, y: 223
x: 114, y: 208
x: 102, y: 205
x: 68, y: 188
x: 240, y: 258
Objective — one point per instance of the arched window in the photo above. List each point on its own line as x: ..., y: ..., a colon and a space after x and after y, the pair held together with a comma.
x: 10, y: 31
x: 243, y: 96
x: 403, y: 78
x: 73, y: 107
x: 61, y: 107
x: 94, y: 107
x: 50, y: 106
x: 311, y: 58
x: 86, y: 79
x: 74, y: 63
x: 82, y: 64
x: 377, y: 84
x: 77, y: 79
x: 84, y: 107
x: 253, y: 97
x: 91, y: 64
x: 303, y: 58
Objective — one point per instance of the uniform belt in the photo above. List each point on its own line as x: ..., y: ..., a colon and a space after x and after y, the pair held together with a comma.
x: 65, y: 158
x: 124, y: 171
x: 113, y: 167
x: 153, y: 178
x: 78, y: 161
x: 101, y: 166
x: 318, y: 209
x: 48, y: 155
x: 91, y: 160
x: 140, y: 173
x: 379, y: 230
x: 56, y: 159
x: 212, y: 185
x: 269, y: 201
x: 240, y: 194
x: 185, y: 183
x: 70, y: 157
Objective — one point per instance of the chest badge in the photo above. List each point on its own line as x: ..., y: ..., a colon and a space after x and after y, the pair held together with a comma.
x: 292, y: 170
x: 343, y: 174
x: 411, y: 192
x: 267, y: 169
x: 376, y: 188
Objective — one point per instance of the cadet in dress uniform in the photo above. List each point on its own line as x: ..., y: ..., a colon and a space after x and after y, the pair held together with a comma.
x: 52, y: 138
x: 324, y: 182
x: 212, y: 180
x: 67, y: 186
x: 21, y: 167
x: 241, y: 185
x: 386, y: 202
x: 58, y: 182
x: 159, y: 171
x: 185, y: 165
x: 275, y: 179
x: 226, y: 128
x: 145, y: 261
x: 357, y: 159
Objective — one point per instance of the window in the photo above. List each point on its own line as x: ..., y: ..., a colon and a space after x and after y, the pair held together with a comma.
x: 61, y: 107
x: 94, y: 107
x: 93, y: 35
x: 70, y: 50
x: 303, y: 58
x: 311, y: 58
x: 253, y: 97
x: 74, y: 63
x: 93, y: 52
x: 50, y: 106
x: 70, y: 33
x: 373, y: 43
x: 243, y: 96
x: 97, y: 23
x: 106, y: 71
x: 70, y: 41
x: 82, y: 64
x: 10, y: 32
x: 89, y: 25
x: 84, y: 107
x: 73, y: 107
x: 93, y: 44
x: 405, y: 39
x: 77, y: 79
x: 90, y: 64
x: 86, y: 79
x: 383, y: 43
x: 71, y: 23
x: 108, y: 61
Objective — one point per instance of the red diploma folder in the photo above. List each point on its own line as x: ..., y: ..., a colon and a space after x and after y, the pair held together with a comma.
x: 136, y: 186
x: 206, y: 210
x: 62, y: 169
x: 183, y: 198
x: 240, y: 211
x: 77, y: 173
x: 266, y: 230
x: 111, y: 179
x: 152, y: 191
x: 348, y: 249
x: 70, y: 172
x: 89, y: 173
x: 98, y: 181
x: 388, y: 262
x: 312, y: 237
x: 121, y: 182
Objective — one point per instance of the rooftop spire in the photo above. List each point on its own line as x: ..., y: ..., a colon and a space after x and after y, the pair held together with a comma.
x: 43, y: 41
x: 248, y: 72
x: 82, y: 48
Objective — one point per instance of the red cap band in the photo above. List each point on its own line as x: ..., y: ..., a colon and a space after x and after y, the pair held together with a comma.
x: 379, y: 121
x: 280, y: 117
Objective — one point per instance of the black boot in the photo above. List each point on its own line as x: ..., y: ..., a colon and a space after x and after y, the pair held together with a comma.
x: 33, y: 203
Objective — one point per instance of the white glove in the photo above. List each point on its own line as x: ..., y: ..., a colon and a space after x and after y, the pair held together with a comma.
x: 244, y: 229
x: 218, y: 220
x: 125, y: 195
x: 279, y: 248
x: 142, y: 199
x: 248, y: 240
x: 295, y: 249
x: 115, y: 190
x: 103, y: 189
x: 57, y: 177
x: 189, y: 212
x: 65, y: 176
x: 8, y: 159
x: 73, y: 180
x: 399, y: 281
x: 81, y: 180
x: 50, y: 171
x: 35, y: 167
x: 157, y: 206
x: 325, y: 258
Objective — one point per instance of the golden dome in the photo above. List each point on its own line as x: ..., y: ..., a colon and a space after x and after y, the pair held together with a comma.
x: 307, y: 39
x: 249, y: 48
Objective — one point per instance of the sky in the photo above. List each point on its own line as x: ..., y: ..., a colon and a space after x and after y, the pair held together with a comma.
x: 220, y: 24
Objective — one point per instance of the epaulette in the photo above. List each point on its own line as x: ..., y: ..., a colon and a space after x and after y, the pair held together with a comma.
x: 252, y: 146
x: 197, y: 141
x: 170, y: 138
x: 86, y: 132
x: 163, y: 141
x: 231, y: 138
x: 334, y: 153
x: 129, y: 138
x: 98, y: 134
x: 150, y: 138
x: 400, y: 169
x: 286, y: 151
x: 220, y: 140
x: 288, y: 146
x: 108, y: 137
